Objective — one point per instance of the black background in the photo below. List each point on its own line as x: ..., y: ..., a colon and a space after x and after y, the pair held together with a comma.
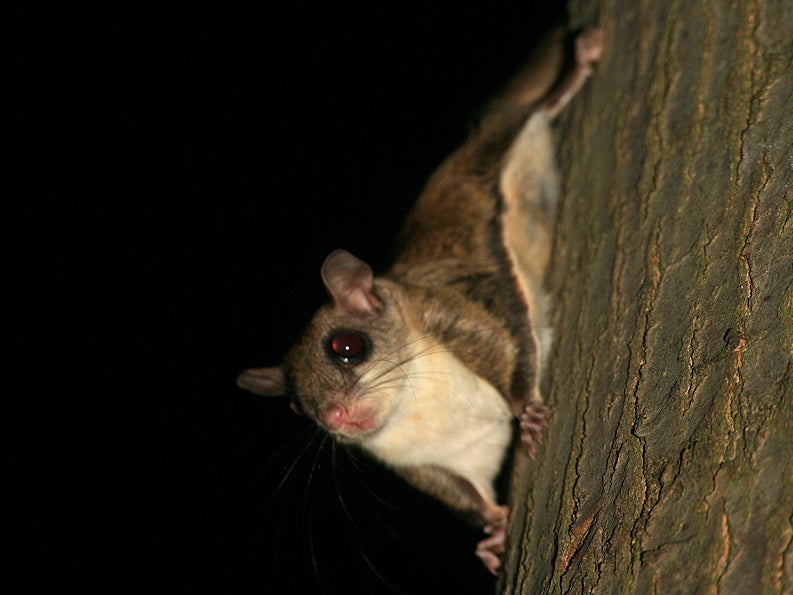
x: 176, y: 180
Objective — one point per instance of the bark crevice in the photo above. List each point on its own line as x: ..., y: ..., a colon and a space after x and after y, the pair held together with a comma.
x: 668, y: 461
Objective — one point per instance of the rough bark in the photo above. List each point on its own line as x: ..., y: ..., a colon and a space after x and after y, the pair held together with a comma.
x: 668, y: 466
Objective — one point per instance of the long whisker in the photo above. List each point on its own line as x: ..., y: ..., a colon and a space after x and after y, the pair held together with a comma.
x: 394, y: 364
x: 315, y: 433
x: 339, y: 495
x: 310, y: 517
x: 386, y: 357
x: 391, y: 586
x: 361, y: 475
x: 433, y: 348
x: 275, y: 535
x: 396, y: 349
x: 406, y: 376
x: 379, y: 575
x: 378, y: 498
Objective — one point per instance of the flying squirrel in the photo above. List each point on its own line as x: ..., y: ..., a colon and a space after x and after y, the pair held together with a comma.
x: 427, y: 366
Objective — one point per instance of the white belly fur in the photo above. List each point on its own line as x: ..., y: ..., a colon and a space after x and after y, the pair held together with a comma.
x: 449, y: 417
x: 529, y: 186
x: 444, y: 414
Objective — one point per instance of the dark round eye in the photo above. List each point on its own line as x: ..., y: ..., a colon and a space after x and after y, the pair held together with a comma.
x: 347, y: 346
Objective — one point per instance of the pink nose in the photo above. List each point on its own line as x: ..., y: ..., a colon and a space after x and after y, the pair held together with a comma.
x: 351, y: 422
x: 335, y: 417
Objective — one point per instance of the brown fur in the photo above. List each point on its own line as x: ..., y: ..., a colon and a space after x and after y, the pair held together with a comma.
x: 457, y: 323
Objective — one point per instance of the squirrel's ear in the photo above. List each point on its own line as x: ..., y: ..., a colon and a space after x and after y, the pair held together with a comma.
x: 350, y: 282
x: 267, y: 382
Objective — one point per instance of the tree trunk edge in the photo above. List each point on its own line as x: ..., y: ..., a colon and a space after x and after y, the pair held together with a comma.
x: 667, y: 466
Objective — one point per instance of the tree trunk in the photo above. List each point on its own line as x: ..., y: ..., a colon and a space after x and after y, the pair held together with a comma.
x: 668, y: 466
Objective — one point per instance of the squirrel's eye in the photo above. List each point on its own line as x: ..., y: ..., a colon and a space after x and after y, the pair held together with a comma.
x: 347, y: 346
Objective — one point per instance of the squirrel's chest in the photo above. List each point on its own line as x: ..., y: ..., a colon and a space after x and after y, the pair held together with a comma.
x: 448, y: 417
